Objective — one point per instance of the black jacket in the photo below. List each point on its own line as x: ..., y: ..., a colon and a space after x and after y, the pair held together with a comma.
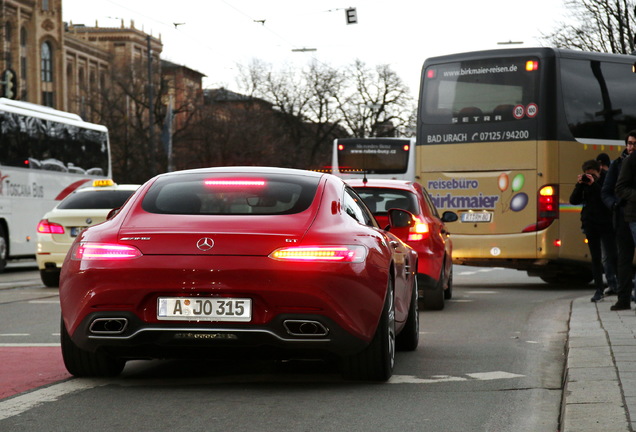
x: 594, y: 211
x: 626, y: 187
x: 608, y: 193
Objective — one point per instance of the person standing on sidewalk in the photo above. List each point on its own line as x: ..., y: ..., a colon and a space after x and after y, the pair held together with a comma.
x: 624, y: 239
x: 596, y: 222
x: 612, y: 282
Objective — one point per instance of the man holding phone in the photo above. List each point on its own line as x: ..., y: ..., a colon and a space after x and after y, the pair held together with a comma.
x: 596, y: 223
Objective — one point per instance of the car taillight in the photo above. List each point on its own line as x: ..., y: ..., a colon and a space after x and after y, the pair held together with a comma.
x: 104, y: 251
x: 419, y: 231
x: 349, y: 254
x: 547, y: 208
x: 46, y: 227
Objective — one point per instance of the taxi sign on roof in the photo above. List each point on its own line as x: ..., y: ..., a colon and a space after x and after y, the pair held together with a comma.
x: 104, y: 182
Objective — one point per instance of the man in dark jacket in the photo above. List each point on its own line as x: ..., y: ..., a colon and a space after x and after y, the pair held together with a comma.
x: 596, y: 222
x: 624, y: 239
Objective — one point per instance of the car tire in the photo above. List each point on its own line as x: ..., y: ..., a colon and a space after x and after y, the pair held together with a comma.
x: 50, y: 278
x: 82, y: 363
x: 376, y: 361
x: 448, y: 292
x: 4, y: 248
x: 433, y: 299
x: 409, y: 337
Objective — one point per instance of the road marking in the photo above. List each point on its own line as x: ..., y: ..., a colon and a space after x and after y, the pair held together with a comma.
x: 461, y: 301
x: 44, y: 301
x: 20, y: 404
x: 481, y: 292
x: 14, y: 334
x: 482, y: 376
x: 494, y: 375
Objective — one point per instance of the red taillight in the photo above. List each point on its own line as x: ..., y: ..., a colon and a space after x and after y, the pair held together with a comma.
x: 418, y: 231
x: 547, y: 208
x: 46, y: 227
x: 105, y: 251
x: 349, y: 254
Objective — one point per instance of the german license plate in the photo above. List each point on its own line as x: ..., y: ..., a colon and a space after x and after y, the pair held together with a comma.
x: 476, y: 217
x: 204, y: 309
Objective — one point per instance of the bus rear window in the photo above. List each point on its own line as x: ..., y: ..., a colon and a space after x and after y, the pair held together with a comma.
x: 483, y: 91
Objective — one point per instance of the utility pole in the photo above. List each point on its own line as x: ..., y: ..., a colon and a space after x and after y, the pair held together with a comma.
x: 151, y: 114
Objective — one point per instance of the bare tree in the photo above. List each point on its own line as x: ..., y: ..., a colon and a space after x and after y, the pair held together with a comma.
x: 377, y: 103
x: 319, y: 103
x: 596, y: 25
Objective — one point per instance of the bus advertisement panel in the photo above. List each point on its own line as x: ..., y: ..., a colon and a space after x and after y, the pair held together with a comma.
x: 501, y: 138
x: 45, y: 154
x: 390, y: 158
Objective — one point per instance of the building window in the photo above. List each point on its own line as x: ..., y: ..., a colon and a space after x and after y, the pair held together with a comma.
x: 23, y: 54
x: 45, y: 5
x: 47, y: 99
x: 7, y: 32
x: 47, y: 63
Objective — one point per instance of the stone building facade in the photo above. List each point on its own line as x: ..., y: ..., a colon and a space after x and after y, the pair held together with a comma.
x: 63, y: 65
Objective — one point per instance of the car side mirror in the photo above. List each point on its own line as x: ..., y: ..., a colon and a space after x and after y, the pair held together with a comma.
x: 400, y: 219
x: 113, y: 213
x: 449, y: 216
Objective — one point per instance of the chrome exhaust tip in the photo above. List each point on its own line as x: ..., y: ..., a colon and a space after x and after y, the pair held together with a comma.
x: 108, y: 325
x: 305, y: 328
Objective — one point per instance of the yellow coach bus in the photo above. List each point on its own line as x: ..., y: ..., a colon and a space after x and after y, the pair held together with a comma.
x: 501, y: 136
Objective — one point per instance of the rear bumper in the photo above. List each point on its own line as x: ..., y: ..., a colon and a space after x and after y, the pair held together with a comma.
x: 219, y: 340
x: 347, y: 299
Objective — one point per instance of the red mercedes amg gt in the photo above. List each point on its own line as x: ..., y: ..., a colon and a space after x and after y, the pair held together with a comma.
x: 220, y: 261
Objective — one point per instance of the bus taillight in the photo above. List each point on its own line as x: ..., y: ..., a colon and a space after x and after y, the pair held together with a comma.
x: 547, y: 208
x: 532, y: 65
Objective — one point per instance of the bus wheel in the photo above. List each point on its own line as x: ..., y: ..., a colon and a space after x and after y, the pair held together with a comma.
x: 3, y: 249
x: 582, y: 278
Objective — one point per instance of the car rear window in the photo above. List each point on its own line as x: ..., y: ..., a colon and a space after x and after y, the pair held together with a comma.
x: 97, y: 199
x: 380, y: 200
x: 231, y: 194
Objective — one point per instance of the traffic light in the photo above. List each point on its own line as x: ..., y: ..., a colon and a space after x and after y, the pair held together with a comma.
x: 351, y: 15
x: 9, y: 86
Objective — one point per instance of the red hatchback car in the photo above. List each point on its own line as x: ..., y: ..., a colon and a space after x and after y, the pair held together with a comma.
x: 221, y: 261
x: 427, y: 234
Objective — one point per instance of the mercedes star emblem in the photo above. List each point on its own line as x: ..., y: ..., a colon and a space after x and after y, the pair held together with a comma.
x: 205, y: 243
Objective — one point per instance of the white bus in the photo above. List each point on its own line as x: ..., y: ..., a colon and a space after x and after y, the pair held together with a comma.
x: 384, y: 158
x: 45, y: 154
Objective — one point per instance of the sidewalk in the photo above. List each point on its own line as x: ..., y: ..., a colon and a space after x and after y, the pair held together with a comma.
x: 600, y: 379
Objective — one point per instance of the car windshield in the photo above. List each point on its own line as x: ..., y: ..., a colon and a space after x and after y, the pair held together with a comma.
x: 97, y: 199
x: 380, y: 200
x: 231, y: 194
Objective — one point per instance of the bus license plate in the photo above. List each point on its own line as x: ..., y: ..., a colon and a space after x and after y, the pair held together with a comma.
x: 204, y: 309
x: 477, y: 217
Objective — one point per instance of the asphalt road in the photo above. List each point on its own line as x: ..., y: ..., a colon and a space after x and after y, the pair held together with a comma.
x: 492, y: 360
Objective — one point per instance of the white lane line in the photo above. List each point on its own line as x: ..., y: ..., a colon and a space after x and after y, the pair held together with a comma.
x: 44, y: 301
x: 14, y: 334
x: 481, y: 376
x: 461, y: 301
x: 19, y: 404
x: 494, y: 375
x: 481, y: 292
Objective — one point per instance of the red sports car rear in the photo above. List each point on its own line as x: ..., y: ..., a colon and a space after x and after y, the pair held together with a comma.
x: 221, y: 261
